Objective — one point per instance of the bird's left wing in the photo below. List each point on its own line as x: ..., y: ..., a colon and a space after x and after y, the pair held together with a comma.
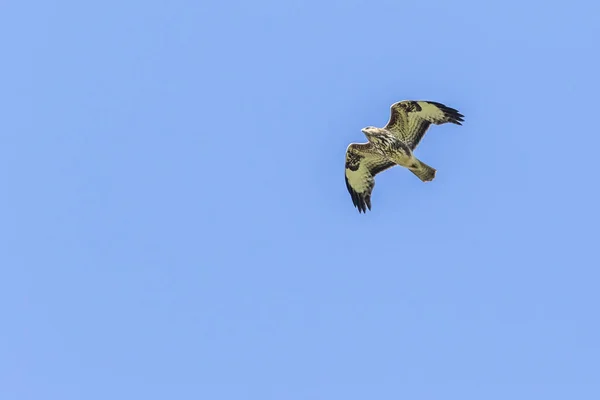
x: 409, y: 120
x: 362, y: 164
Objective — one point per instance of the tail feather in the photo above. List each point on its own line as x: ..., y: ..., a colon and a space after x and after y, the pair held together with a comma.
x: 423, y: 171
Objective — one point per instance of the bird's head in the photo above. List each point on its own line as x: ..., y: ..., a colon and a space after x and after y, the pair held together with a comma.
x: 378, y: 136
x: 370, y: 131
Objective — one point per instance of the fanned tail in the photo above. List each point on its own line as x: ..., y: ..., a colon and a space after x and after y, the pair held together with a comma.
x: 423, y: 171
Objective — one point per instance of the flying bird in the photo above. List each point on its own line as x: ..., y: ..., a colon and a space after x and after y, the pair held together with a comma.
x: 394, y: 145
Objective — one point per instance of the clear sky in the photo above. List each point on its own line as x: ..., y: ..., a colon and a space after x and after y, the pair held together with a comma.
x: 175, y: 223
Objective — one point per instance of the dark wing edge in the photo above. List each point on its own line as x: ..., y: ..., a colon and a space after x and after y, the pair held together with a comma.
x: 361, y: 168
x: 451, y: 115
x: 410, y: 119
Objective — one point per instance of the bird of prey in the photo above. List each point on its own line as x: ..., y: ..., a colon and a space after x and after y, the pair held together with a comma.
x: 394, y: 145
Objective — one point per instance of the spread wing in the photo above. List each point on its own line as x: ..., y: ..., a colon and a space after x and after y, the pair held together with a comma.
x: 362, y: 164
x: 409, y: 120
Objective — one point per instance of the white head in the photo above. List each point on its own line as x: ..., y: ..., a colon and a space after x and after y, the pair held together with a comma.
x: 379, y: 136
x: 370, y: 131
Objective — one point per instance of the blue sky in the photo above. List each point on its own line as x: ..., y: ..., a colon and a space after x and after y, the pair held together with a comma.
x: 175, y: 222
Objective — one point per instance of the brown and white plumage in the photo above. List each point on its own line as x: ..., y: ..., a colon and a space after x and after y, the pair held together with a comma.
x: 409, y: 120
x: 393, y: 145
x: 363, y: 162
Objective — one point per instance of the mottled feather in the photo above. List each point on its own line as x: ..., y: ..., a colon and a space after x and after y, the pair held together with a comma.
x: 409, y: 120
x: 363, y: 162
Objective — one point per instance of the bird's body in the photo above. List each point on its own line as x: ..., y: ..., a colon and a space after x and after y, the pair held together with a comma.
x: 389, y: 146
x: 393, y: 145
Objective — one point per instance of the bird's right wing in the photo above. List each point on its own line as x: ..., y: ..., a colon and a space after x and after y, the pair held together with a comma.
x: 362, y: 164
x: 409, y: 119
